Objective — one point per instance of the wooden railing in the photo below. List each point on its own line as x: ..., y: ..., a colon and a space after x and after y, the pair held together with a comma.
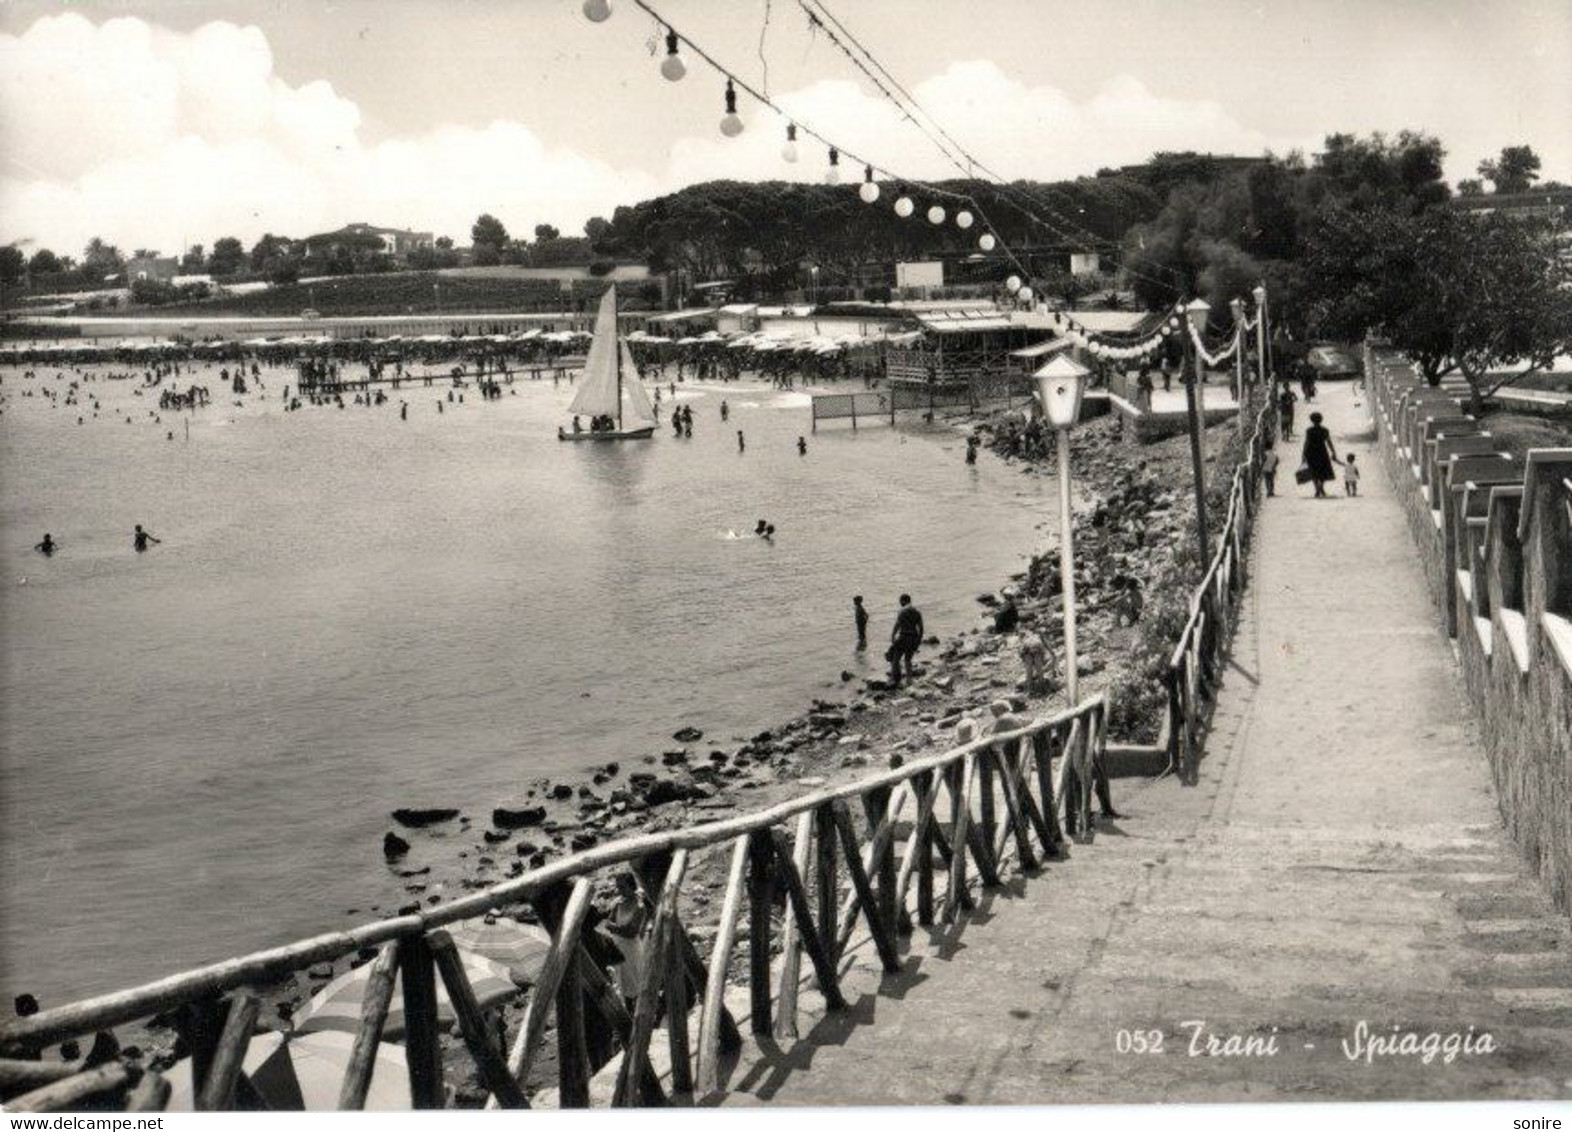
x: 1197, y: 660
x: 879, y: 851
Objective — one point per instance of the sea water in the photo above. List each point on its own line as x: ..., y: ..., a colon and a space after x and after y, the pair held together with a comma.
x: 348, y: 613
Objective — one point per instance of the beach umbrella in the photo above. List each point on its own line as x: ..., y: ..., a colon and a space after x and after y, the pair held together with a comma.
x: 304, y: 1072
x: 337, y: 1005
x: 519, y: 947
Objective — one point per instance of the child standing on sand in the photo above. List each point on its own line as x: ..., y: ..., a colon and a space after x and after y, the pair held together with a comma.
x: 1351, y: 475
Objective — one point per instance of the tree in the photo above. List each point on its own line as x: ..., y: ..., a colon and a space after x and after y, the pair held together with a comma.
x: 1454, y: 291
x: 1515, y: 171
x: 445, y: 243
x: 13, y: 264
x: 268, y: 249
x: 44, y: 262
x: 100, y: 258
x: 546, y: 232
x: 596, y: 229
x: 193, y: 259
x: 489, y: 232
x: 228, y: 256
x: 1471, y: 187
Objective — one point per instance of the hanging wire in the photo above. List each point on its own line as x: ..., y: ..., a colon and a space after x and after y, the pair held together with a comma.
x: 947, y: 145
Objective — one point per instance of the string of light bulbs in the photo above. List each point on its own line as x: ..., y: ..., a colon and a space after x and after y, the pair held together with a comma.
x: 952, y: 150
x: 674, y: 68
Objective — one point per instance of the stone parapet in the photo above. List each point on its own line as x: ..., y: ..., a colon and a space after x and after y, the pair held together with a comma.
x: 1495, y: 535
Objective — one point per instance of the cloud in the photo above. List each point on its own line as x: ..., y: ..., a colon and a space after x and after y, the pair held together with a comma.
x: 150, y: 137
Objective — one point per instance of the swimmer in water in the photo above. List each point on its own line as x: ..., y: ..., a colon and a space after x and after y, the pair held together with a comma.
x: 742, y: 445
x: 761, y: 528
x: 725, y: 411
x: 802, y: 446
x: 48, y: 546
x: 141, y: 538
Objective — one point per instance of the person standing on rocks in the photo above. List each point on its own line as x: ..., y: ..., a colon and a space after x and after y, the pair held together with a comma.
x: 1034, y: 659
x: 625, y: 926
x: 905, y: 639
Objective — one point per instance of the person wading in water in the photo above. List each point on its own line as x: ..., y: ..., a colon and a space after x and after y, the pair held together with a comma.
x: 905, y: 639
x: 141, y: 538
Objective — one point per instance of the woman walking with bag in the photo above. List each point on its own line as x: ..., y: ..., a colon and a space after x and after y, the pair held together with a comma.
x: 1318, y: 456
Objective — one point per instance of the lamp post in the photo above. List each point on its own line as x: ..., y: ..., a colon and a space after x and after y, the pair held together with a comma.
x: 1259, y: 293
x: 1060, y: 384
x: 1195, y: 313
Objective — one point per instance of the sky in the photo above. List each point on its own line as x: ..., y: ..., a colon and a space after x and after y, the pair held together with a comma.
x: 169, y: 123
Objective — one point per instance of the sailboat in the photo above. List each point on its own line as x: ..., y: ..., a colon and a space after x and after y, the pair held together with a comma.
x: 610, y: 389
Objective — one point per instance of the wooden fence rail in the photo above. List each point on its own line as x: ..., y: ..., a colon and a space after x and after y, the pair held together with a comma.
x: 1197, y: 660
x: 988, y: 808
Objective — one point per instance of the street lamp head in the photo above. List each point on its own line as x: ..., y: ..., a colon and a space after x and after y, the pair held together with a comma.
x: 1060, y: 385
x: 1197, y: 311
x: 1236, y: 308
x: 1258, y: 292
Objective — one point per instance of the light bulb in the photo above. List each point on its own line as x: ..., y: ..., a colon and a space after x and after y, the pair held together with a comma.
x: 963, y: 219
x: 597, y: 11
x: 832, y: 175
x: 986, y: 241
x: 904, y: 207
x: 1012, y: 284
x: 868, y: 191
x: 936, y: 215
x: 731, y: 125
x: 789, y: 150
x: 672, y: 68
x: 1024, y: 294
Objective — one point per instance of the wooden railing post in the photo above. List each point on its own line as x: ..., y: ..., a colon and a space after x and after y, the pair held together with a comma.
x: 876, y: 806
x: 720, y: 959
x: 882, y: 930
x: 635, y: 1057
x: 761, y: 899
x: 373, y: 1017
x: 792, y: 930
x: 826, y: 882
x: 421, y: 1045
x: 218, y: 1090
x: 478, y: 1034
x: 925, y: 786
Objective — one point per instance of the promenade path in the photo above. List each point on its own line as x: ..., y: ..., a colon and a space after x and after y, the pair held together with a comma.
x: 1341, y: 859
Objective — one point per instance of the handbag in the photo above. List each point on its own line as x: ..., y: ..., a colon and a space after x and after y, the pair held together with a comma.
x: 1304, y: 474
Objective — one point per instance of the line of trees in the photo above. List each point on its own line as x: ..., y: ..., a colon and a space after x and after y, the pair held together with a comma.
x: 1361, y: 238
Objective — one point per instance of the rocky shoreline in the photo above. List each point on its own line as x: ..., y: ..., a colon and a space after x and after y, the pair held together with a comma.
x: 1131, y: 522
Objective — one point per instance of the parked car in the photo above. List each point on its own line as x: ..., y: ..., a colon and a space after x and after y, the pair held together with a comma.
x: 1334, y: 361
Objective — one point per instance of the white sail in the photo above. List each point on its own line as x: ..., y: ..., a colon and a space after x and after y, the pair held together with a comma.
x: 637, y: 408
x: 597, y: 392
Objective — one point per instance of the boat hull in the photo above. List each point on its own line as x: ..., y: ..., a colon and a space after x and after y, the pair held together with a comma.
x: 617, y: 434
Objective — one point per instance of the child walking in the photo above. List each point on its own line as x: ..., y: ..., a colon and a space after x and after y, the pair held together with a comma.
x: 1269, y: 470
x: 1350, y: 475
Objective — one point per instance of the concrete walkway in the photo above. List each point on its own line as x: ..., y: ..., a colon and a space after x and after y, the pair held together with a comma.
x: 1340, y: 861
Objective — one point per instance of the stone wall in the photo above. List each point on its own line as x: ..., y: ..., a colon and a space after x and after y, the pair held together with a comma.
x: 1495, y: 535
